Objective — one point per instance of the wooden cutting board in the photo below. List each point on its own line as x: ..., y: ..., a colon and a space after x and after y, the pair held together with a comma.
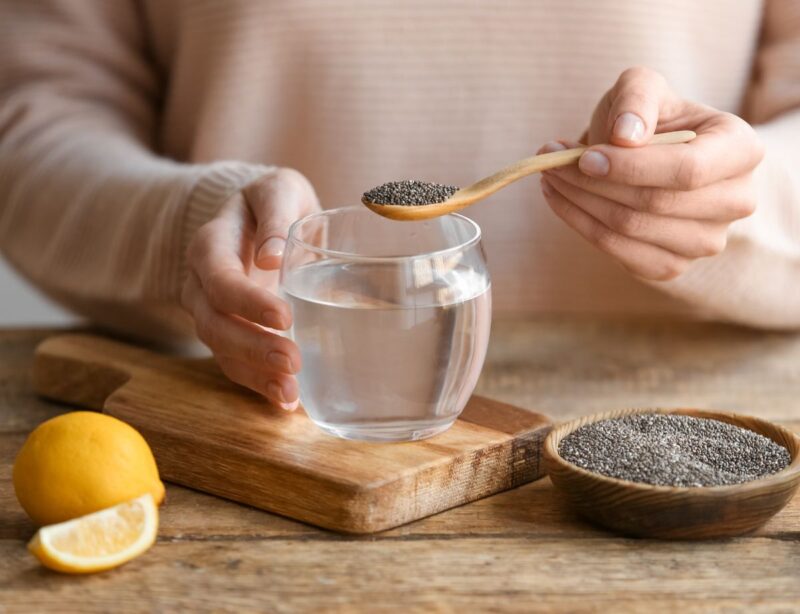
x: 210, y: 434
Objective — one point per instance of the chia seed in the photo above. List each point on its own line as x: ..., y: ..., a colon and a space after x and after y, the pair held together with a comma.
x: 410, y: 192
x: 673, y: 450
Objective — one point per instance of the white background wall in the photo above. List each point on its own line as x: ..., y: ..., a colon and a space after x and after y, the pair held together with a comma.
x: 22, y: 305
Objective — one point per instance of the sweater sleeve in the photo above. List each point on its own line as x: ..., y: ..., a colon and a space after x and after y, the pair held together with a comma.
x: 756, y: 280
x: 88, y: 211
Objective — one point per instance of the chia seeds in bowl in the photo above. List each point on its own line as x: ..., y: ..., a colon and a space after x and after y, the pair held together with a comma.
x: 673, y: 450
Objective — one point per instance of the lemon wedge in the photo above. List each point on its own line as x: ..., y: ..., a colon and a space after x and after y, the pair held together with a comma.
x: 98, y: 541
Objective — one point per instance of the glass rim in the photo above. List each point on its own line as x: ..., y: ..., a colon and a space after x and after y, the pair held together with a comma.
x: 291, y: 237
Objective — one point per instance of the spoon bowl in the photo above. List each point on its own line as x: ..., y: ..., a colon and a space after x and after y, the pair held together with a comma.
x: 668, y: 512
x: 486, y: 187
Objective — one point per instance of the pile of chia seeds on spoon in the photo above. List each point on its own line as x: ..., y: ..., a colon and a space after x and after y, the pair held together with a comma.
x: 409, y: 192
x: 673, y: 450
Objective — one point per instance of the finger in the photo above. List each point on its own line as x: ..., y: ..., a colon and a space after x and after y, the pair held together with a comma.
x: 277, y: 202
x: 724, y: 201
x: 635, y: 103
x: 550, y: 148
x: 643, y: 260
x: 191, y: 289
x: 559, y: 145
x: 282, y: 390
x: 221, y: 273
x: 688, y: 238
x: 241, y: 340
x: 725, y: 147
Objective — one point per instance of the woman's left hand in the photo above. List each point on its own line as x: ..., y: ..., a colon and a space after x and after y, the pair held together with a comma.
x: 656, y: 208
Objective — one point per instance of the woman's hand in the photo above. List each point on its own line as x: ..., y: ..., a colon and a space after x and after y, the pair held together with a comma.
x: 656, y: 208
x: 233, y: 262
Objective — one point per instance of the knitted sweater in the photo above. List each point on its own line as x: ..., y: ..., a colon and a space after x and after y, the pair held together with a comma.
x: 124, y: 126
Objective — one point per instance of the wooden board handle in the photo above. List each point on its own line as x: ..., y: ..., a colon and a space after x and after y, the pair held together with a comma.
x: 84, y: 369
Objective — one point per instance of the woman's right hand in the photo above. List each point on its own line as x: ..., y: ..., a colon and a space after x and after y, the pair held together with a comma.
x: 233, y: 277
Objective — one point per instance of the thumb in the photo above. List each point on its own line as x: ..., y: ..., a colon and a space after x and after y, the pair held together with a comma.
x: 276, y: 202
x: 635, y: 103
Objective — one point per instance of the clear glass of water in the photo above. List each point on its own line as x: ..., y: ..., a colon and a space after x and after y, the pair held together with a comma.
x: 392, y: 320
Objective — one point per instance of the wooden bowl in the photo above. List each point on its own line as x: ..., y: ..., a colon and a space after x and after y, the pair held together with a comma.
x: 667, y: 512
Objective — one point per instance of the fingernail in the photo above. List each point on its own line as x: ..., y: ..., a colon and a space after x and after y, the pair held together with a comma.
x: 629, y: 126
x: 277, y: 393
x: 547, y: 189
x: 273, y: 246
x: 283, y: 393
x: 274, y: 392
x: 290, y: 406
x: 553, y: 146
x: 289, y: 391
x: 280, y: 361
x: 594, y: 163
x: 276, y: 320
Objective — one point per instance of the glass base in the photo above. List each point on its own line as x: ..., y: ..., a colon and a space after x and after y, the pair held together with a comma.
x: 387, y: 432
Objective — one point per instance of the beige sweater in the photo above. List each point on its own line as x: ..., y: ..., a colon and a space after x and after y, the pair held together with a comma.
x: 125, y: 124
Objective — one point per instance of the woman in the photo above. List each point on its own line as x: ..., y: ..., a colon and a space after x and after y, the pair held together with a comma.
x: 147, y: 148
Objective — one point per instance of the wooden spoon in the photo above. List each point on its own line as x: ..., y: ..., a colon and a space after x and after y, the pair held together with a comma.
x: 486, y: 187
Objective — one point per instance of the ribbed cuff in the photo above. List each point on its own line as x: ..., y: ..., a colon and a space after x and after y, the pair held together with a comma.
x: 749, y: 284
x: 754, y: 281
x: 708, y: 287
x: 216, y: 184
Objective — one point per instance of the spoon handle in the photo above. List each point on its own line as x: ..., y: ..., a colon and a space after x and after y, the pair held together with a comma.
x: 543, y: 162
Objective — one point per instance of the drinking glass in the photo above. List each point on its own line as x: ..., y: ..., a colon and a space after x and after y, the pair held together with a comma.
x: 392, y: 320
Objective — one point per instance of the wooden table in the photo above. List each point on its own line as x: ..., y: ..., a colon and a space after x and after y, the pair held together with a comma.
x: 520, y: 550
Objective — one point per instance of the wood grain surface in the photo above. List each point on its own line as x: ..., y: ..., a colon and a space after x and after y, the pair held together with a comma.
x: 522, y: 550
x: 210, y: 434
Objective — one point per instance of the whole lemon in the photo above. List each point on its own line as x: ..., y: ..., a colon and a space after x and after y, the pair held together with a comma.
x: 82, y: 462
